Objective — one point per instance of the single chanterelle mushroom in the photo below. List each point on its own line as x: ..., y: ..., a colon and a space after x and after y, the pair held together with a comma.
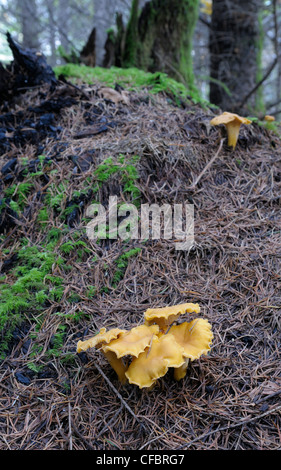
x: 195, y: 338
x: 165, y: 316
x: 269, y: 118
x: 99, y: 341
x: 232, y: 123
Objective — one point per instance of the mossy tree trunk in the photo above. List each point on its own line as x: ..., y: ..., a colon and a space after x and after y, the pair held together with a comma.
x: 234, y: 50
x: 161, y: 38
x: 131, y: 38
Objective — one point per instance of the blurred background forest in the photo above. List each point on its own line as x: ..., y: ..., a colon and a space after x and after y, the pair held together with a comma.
x: 228, y: 50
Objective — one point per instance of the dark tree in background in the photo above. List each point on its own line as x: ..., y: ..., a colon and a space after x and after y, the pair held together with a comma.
x: 28, y: 15
x: 234, y: 39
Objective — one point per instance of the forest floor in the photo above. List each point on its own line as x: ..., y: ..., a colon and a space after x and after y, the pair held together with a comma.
x: 60, y: 151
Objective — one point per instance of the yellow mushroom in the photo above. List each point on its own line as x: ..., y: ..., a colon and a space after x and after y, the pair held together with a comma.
x: 269, y: 118
x: 232, y: 123
x: 133, y: 342
x: 153, y: 363
x: 207, y: 8
x: 102, y: 337
x: 99, y: 341
x: 154, y: 346
x: 165, y: 316
x: 195, y: 337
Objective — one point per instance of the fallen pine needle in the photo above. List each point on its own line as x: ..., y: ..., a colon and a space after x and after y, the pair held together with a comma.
x: 207, y: 166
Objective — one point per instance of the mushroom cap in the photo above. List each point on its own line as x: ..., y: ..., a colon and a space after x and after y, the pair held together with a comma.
x: 154, y: 362
x: 195, y: 337
x: 226, y: 118
x: 269, y: 118
x: 165, y: 316
x: 133, y: 342
x: 102, y: 337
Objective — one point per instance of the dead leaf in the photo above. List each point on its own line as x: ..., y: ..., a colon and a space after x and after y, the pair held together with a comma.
x: 267, y: 388
x: 114, y: 96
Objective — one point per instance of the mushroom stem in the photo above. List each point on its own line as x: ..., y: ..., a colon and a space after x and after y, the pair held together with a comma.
x: 118, y: 365
x: 179, y: 372
x: 233, y: 129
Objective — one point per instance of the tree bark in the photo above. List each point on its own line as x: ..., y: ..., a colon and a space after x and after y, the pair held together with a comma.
x: 165, y: 30
x: 88, y: 53
x: 233, y: 53
x: 131, y: 38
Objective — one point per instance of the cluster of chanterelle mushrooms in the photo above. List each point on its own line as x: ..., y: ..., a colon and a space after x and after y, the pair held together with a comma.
x: 146, y: 352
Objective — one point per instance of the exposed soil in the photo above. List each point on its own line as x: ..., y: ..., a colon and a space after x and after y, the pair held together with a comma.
x: 229, y: 399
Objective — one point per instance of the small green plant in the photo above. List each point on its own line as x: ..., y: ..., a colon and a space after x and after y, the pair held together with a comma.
x: 91, y: 291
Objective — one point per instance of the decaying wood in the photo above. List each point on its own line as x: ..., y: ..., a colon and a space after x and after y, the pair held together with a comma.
x: 28, y: 69
x: 88, y: 53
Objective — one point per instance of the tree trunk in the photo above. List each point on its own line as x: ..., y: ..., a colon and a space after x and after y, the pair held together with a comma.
x: 234, y: 53
x: 29, y: 23
x: 131, y: 38
x: 88, y: 53
x: 161, y: 40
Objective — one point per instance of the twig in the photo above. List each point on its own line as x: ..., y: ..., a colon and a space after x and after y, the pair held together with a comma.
x: 207, y: 166
x: 267, y: 397
x: 116, y: 391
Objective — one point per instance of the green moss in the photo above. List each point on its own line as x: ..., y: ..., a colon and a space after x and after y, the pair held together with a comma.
x: 91, y: 291
x: 122, y: 263
x: 78, y: 247
x: 31, y: 288
x: 19, y: 193
x: 126, y: 169
x: 132, y: 79
x: 106, y: 169
x: 271, y: 126
x: 43, y: 218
